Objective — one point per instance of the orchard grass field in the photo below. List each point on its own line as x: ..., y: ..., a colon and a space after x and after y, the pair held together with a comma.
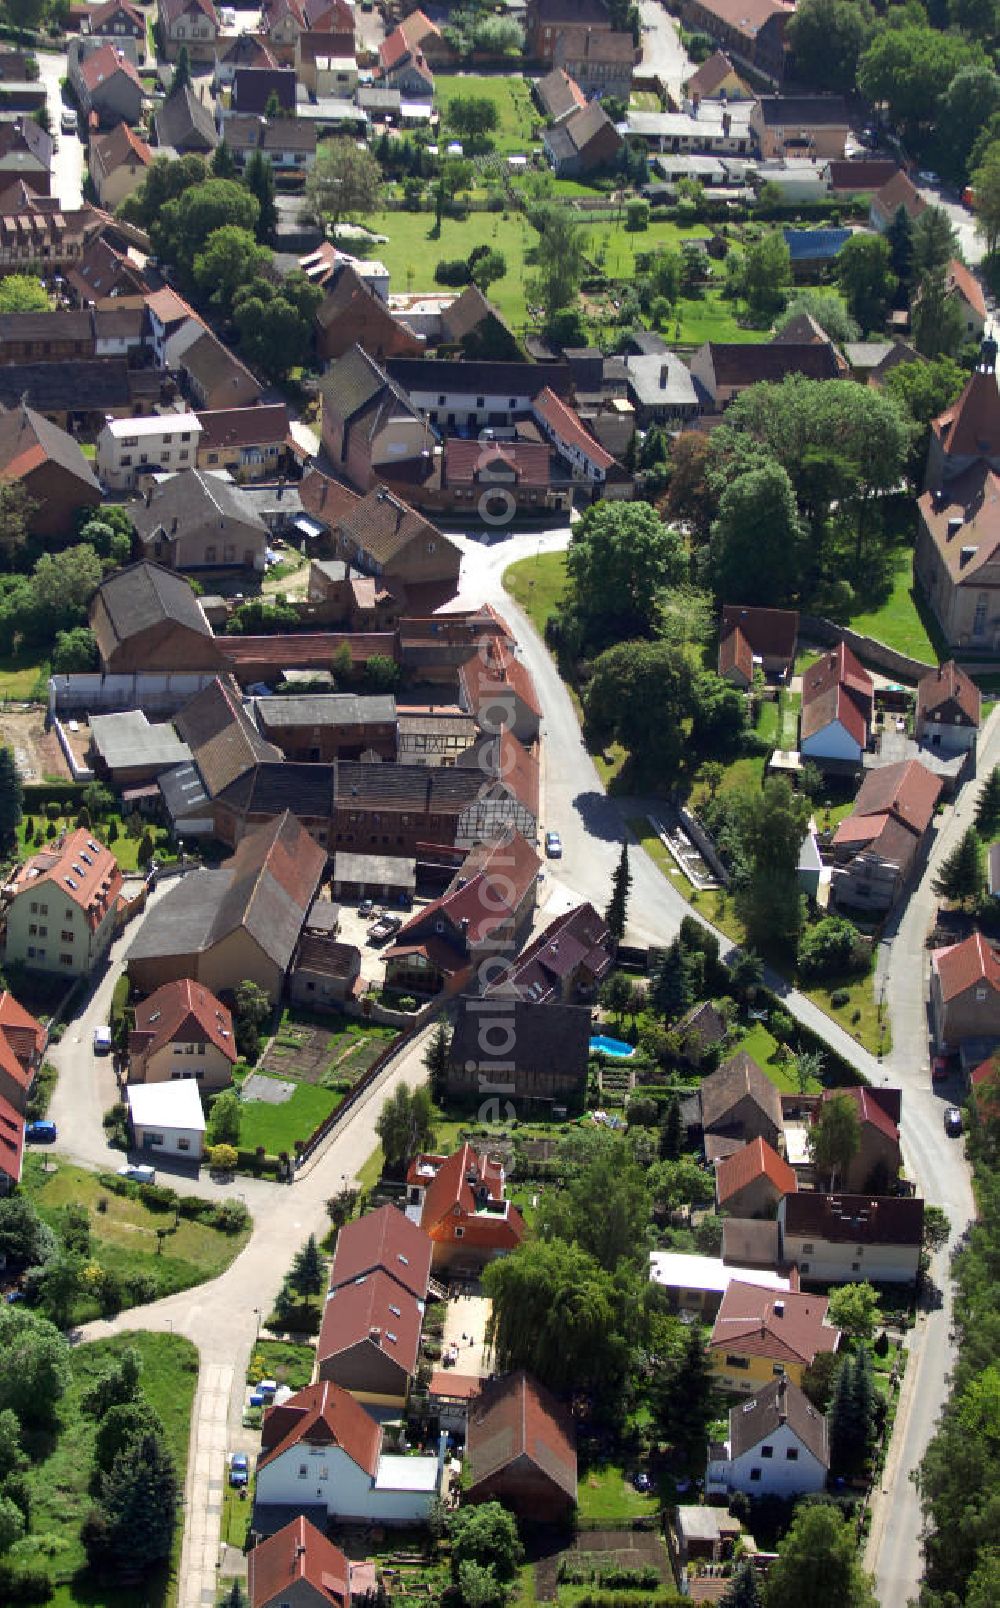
x: 62, y: 1466
x: 517, y: 115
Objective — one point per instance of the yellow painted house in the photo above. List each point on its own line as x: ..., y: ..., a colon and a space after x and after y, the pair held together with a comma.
x: 760, y: 1334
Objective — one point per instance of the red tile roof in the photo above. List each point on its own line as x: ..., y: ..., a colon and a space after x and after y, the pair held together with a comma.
x: 22, y: 1039
x: 295, y: 1555
x: 735, y: 653
x: 83, y: 870
x: 461, y: 1188
x: 516, y: 1421
x: 975, y: 961
x: 103, y: 64
x: 970, y: 428
x: 465, y: 461
x: 567, y: 426
x: 321, y: 1415
x: 11, y: 1141
x: 788, y: 1328
x: 949, y: 684
x: 460, y: 1387
x: 371, y: 1310
x: 905, y: 794
x: 492, y: 881
x: 869, y: 1110
x: 493, y: 666
x: 182, y: 1012
x: 383, y: 1239
x: 837, y: 688
x: 756, y: 1160
x: 961, y: 279
x: 308, y: 650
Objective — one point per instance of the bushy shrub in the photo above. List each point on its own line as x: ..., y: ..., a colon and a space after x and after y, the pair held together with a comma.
x: 840, y: 997
x: 452, y: 272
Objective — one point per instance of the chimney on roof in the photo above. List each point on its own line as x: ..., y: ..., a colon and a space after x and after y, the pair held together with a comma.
x: 779, y: 1309
x: 664, y: 375
x: 727, y: 123
x: 782, y: 1398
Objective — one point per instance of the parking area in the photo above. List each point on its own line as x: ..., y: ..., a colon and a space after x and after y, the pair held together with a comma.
x: 354, y: 929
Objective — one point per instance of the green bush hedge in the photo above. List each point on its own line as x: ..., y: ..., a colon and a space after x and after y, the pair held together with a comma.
x: 38, y: 794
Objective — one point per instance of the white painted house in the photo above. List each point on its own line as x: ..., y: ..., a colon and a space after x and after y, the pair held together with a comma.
x: 167, y: 1118
x: 320, y: 1448
x: 777, y: 1446
x: 160, y: 444
x: 837, y: 1239
x: 838, y: 698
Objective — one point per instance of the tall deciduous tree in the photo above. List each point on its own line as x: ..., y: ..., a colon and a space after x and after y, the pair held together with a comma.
x: 971, y: 99
x: 909, y: 68
x: 835, y: 1137
x: 641, y: 694
x: 855, y: 1309
x: 866, y: 278
x: 986, y: 182
x: 345, y: 179
x: 614, y: 1234
x: 937, y: 321
x: 757, y: 544
x: 621, y: 557
x: 34, y: 1364
x: 404, y: 1125
x: 559, y: 260
x: 766, y: 276
x: 828, y: 37
x: 772, y: 827
x: 818, y: 1564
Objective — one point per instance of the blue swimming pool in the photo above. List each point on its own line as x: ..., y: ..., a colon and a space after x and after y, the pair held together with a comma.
x: 609, y: 1046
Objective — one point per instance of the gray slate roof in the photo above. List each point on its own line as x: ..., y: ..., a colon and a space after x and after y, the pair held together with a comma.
x: 544, y: 1037
x: 753, y: 1421
x: 325, y: 709
x: 127, y: 739
x: 145, y: 594
x: 185, y: 122
x: 196, y: 500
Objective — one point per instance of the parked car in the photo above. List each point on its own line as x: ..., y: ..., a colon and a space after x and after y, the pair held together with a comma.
x: 102, y: 1040
x: 927, y: 176
x: 40, y: 1133
x: 239, y: 1470
x: 138, y: 1172
x: 384, y: 929
x: 642, y: 1482
x: 553, y: 845
x: 366, y: 907
x: 952, y: 1122
x: 67, y: 121
x: 942, y: 1067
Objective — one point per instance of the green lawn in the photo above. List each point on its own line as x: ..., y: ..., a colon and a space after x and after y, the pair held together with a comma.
x: 123, y: 1236
x: 23, y: 678
x: 277, y: 1127
x: 411, y: 250
x: 901, y: 620
x: 62, y: 1463
x: 125, y: 849
x: 605, y: 1495
x: 511, y: 97
x: 537, y: 584
x: 237, y: 1511
x: 282, y: 1360
x: 762, y: 1047
x: 859, y: 1016
x: 790, y: 704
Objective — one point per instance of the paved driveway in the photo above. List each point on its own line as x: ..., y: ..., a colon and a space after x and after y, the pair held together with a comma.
x: 68, y: 161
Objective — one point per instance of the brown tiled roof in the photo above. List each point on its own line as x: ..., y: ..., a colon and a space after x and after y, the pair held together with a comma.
x: 737, y: 1077
x: 780, y: 1402
x: 371, y: 1309
x: 223, y: 740
x: 466, y: 313
x: 789, y: 1327
x: 493, y: 880
x: 321, y: 1415
x: 100, y: 65
x: 837, y: 687
x: 529, y: 461
x: 907, y: 790
x: 602, y: 45
x: 735, y: 653
x: 144, y: 595
x: 19, y: 1030
x: 708, y: 77
x: 212, y: 364
x: 948, y: 690
x: 856, y: 1219
x: 108, y: 152
x: 867, y: 173
x: 746, y: 17
x: 756, y: 1160
x: 516, y: 1419
x: 773, y: 632
x: 962, y: 966
x: 972, y: 500
x: 578, y: 937
x: 182, y: 1012
x: 27, y: 440
x: 384, y: 1239
x: 970, y: 428
x: 898, y: 192
x: 295, y: 1556
x: 545, y: 1037
x: 324, y: 498
x: 559, y: 93
x: 739, y: 363
x: 384, y: 525
x: 82, y: 870
x: 244, y: 427
x: 275, y: 873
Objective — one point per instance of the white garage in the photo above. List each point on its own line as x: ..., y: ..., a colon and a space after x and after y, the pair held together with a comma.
x: 167, y: 1118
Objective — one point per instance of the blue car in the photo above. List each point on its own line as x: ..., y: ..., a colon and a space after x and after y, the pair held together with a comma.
x: 258, y: 1398
x: 40, y: 1133
x: 239, y: 1470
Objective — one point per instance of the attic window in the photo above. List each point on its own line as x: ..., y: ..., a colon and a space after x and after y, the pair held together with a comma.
x: 393, y: 1337
x: 155, y: 1017
x: 70, y: 883
x: 86, y: 859
x: 404, y: 1259
x: 93, y: 847
x: 395, y: 1311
